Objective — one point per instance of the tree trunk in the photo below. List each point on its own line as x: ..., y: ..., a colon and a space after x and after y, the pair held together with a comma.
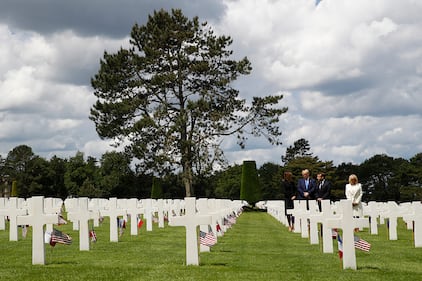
x: 187, y: 178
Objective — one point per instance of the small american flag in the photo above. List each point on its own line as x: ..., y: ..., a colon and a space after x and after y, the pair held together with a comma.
x: 207, y: 239
x: 218, y: 227
x: 340, y: 246
x: 362, y: 244
x: 59, y: 237
x: 232, y: 219
x: 140, y: 222
x: 93, y: 236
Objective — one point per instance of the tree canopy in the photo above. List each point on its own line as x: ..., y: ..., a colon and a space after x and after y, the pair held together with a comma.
x: 169, y: 97
x: 383, y: 177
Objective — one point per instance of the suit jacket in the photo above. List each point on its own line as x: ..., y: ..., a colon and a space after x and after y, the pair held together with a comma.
x: 301, y: 188
x: 323, y: 190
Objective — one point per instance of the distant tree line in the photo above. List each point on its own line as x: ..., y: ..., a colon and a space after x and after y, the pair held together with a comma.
x: 383, y: 177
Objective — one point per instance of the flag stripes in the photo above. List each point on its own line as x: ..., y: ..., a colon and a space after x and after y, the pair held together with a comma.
x: 207, y: 239
x: 362, y: 244
x: 93, y: 236
x: 59, y: 237
x: 340, y: 246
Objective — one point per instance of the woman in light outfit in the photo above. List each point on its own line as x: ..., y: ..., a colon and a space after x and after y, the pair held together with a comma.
x: 354, y: 193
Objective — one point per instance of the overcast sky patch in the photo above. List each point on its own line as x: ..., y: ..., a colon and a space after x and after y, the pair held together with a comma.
x: 350, y: 71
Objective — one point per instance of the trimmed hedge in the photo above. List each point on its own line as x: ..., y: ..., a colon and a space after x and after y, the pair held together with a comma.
x: 249, y: 186
x: 157, y: 189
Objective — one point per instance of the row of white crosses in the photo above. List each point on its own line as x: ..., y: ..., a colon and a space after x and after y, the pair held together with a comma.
x: 30, y: 212
x: 209, y: 211
x: 339, y: 215
x: 308, y: 216
x: 39, y: 211
x: 411, y: 212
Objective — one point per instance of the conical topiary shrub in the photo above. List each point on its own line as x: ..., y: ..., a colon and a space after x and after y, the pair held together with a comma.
x: 157, y: 189
x: 250, y: 190
x: 14, y: 192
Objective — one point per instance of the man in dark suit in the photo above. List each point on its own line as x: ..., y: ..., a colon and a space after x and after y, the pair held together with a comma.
x: 306, y: 186
x: 323, y: 189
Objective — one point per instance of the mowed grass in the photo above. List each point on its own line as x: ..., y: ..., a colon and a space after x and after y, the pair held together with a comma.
x: 256, y: 248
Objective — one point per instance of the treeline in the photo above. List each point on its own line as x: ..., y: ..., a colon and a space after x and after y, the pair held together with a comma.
x: 383, y: 177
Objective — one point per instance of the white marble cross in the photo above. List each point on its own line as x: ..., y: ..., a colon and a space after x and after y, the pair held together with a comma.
x: 160, y: 211
x: 372, y: 210
x: 300, y: 213
x: 219, y: 210
x: 325, y: 214
x: 51, y: 206
x: 148, y: 214
x: 71, y: 205
x: 417, y: 225
x: 190, y: 221
x: 392, y: 214
x: 214, y: 214
x: 13, y: 211
x: 133, y: 210
x: 113, y: 212
x: 37, y: 219
x: 95, y: 206
x: 82, y: 215
x: 203, y: 210
x: 348, y: 224
x: 313, y: 227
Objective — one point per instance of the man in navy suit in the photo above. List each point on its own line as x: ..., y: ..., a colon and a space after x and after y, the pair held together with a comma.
x: 306, y: 186
x: 323, y: 189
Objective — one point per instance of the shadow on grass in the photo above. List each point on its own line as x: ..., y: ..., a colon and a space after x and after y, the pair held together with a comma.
x: 225, y: 251
x: 371, y: 268
x: 55, y: 263
x: 217, y: 264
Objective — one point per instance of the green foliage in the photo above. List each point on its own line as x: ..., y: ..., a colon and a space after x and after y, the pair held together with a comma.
x: 250, y: 189
x: 379, y: 175
x: 313, y: 164
x: 116, y: 175
x: 77, y: 173
x: 17, y: 167
x: 228, y: 182
x: 410, y: 193
x: 169, y: 97
x: 300, y: 148
x: 270, y: 176
x: 383, y: 177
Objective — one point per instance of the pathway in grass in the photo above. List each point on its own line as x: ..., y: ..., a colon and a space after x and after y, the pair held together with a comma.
x: 259, y: 248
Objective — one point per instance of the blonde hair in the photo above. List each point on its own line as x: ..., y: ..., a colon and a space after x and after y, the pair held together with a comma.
x: 353, y: 179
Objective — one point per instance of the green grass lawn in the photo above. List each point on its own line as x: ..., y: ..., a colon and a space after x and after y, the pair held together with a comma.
x: 256, y: 248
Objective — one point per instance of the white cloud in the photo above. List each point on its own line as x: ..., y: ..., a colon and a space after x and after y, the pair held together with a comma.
x: 97, y: 147
x: 349, y: 72
x: 43, y: 102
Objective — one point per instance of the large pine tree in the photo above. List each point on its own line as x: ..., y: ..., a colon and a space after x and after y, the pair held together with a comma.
x: 169, y: 97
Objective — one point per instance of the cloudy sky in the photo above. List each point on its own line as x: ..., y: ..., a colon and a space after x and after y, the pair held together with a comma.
x: 350, y: 71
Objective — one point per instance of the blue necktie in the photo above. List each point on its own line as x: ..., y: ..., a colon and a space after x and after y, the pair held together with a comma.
x: 306, y: 184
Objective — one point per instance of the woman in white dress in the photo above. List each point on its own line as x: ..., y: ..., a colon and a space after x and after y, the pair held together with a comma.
x: 354, y: 193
